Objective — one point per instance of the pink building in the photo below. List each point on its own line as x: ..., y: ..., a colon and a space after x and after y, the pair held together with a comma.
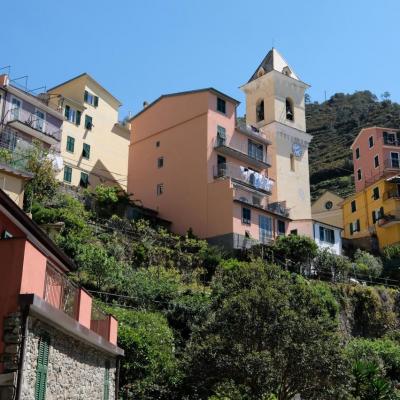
x: 376, y: 153
x: 191, y: 162
x: 52, y: 337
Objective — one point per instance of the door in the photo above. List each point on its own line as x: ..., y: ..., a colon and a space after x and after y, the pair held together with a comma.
x: 15, y: 108
x: 265, y: 224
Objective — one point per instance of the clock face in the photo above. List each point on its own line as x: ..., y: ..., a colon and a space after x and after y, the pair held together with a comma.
x: 297, y: 150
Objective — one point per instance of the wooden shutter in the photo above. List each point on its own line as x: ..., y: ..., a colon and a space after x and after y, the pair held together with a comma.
x: 41, y: 368
x: 96, y: 101
x: 66, y: 112
x: 107, y: 381
x: 351, y: 228
x: 85, y: 96
x: 78, y: 117
x: 358, y: 226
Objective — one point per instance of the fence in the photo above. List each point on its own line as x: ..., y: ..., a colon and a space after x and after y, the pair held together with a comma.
x: 100, y: 322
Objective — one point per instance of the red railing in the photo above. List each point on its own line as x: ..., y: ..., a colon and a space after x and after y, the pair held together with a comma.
x: 61, y: 292
x: 100, y: 322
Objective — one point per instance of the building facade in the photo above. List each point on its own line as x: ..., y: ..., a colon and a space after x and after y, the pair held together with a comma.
x: 94, y: 145
x: 54, y: 342
x: 372, y: 215
x: 24, y: 119
x: 191, y: 161
x: 328, y: 237
x: 327, y: 209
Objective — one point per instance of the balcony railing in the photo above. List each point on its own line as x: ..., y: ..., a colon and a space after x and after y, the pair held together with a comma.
x: 253, y: 132
x: 276, y: 207
x: 33, y: 121
x: 244, y: 175
x: 60, y: 292
x: 391, y: 195
x: 389, y: 218
x: 243, y: 151
x: 100, y: 322
x: 392, y: 163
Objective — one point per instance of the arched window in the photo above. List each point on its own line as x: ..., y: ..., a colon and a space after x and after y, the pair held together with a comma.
x: 289, y: 109
x: 260, y: 111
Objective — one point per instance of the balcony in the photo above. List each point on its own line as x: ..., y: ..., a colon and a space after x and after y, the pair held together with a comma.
x: 277, y: 208
x: 389, y: 219
x: 253, y: 132
x: 34, y: 126
x: 391, y: 195
x: 242, y: 151
x: 392, y: 164
x: 100, y: 322
x: 245, y: 177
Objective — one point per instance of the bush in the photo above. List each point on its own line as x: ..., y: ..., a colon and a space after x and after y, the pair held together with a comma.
x: 331, y: 266
x: 367, y: 264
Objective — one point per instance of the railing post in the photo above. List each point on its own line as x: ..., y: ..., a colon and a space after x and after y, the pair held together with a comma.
x: 84, y: 308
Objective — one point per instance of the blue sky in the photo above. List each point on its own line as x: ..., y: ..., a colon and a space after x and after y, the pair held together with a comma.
x: 139, y: 50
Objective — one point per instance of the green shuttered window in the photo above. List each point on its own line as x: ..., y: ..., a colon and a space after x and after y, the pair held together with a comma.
x: 86, y: 151
x: 41, y: 368
x: 70, y: 144
x: 107, y: 381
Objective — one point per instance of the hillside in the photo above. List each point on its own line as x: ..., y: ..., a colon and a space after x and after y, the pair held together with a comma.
x: 334, y: 124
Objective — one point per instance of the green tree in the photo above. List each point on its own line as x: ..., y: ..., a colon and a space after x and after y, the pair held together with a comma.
x: 267, y: 333
x: 367, y: 264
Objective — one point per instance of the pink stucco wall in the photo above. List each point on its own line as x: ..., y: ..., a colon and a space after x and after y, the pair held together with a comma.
x: 85, y: 308
x: 113, y: 335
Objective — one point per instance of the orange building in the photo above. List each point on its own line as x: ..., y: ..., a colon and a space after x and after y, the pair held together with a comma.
x: 191, y: 161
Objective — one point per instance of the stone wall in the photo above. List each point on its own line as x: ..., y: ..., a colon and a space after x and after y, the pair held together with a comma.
x: 75, y: 369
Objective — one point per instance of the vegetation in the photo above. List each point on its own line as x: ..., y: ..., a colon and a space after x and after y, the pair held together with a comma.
x: 196, y: 324
x: 334, y: 124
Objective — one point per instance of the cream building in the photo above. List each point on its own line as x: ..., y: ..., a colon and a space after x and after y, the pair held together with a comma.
x: 275, y: 104
x: 94, y: 145
x: 327, y: 209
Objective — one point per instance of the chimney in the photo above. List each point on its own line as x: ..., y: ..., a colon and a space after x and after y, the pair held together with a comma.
x: 145, y: 104
x: 4, y: 80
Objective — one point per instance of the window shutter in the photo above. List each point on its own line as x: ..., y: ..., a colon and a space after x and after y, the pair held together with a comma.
x: 66, y: 112
x: 41, y: 368
x: 358, y: 225
x: 107, y: 381
x: 78, y: 117
x: 85, y: 96
x: 351, y: 228
x: 381, y: 213
x: 96, y: 101
x: 321, y: 234
x: 373, y: 217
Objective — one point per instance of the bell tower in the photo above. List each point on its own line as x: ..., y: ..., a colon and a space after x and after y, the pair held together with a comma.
x: 275, y: 104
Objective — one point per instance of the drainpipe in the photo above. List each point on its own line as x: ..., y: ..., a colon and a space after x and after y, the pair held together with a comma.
x: 25, y: 318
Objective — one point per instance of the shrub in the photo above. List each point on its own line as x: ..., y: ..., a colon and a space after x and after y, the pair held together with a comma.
x: 367, y: 264
x: 329, y: 265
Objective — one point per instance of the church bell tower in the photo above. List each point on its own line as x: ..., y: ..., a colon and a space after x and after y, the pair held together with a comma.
x: 275, y: 104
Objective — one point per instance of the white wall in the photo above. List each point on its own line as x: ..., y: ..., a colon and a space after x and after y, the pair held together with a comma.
x: 337, y: 246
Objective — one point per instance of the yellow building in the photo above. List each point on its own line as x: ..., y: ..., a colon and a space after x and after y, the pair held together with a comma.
x: 327, y: 209
x: 372, y: 216
x: 94, y: 145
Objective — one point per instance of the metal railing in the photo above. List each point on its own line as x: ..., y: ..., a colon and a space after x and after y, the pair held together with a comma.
x: 392, y: 163
x: 60, y: 292
x: 245, y: 175
x: 252, y: 131
x: 276, y: 207
x: 100, y: 322
x: 391, y: 195
x: 33, y: 121
x: 279, y: 207
x: 245, y: 150
x: 14, y: 151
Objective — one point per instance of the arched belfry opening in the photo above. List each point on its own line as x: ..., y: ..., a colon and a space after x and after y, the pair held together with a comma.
x: 260, y: 111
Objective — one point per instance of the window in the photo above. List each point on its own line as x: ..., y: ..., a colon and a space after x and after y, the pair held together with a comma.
x: 67, y: 174
x: 88, y: 122
x: 16, y: 105
x: 246, y: 216
x: 289, y: 109
x: 70, y: 144
x: 91, y: 99
x: 281, y: 227
x: 376, y: 161
x: 353, y: 206
x: 221, y: 105
x: 326, y: 235
x: 40, y: 118
x: 72, y: 115
x: 221, y: 136
x: 292, y: 163
x: 377, y: 215
x: 357, y: 153
x: 359, y: 174
x: 371, y: 141
x: 394, y: 160
x: 86, y: 151
x: 255, y: 150
x: 355, y: 226
x: 84, y: 182
x: 221, y: 166
x: 260, y: 111
x: 391, y: 138
x: 41, y: 367
x: 328, y: 205
x: 158, y: 144
x: 106, y: 389
x: 265, y: 224
x: 160, y: 162
x: 160, y: 189
x: 293, y: 232
x: 375, y: 193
